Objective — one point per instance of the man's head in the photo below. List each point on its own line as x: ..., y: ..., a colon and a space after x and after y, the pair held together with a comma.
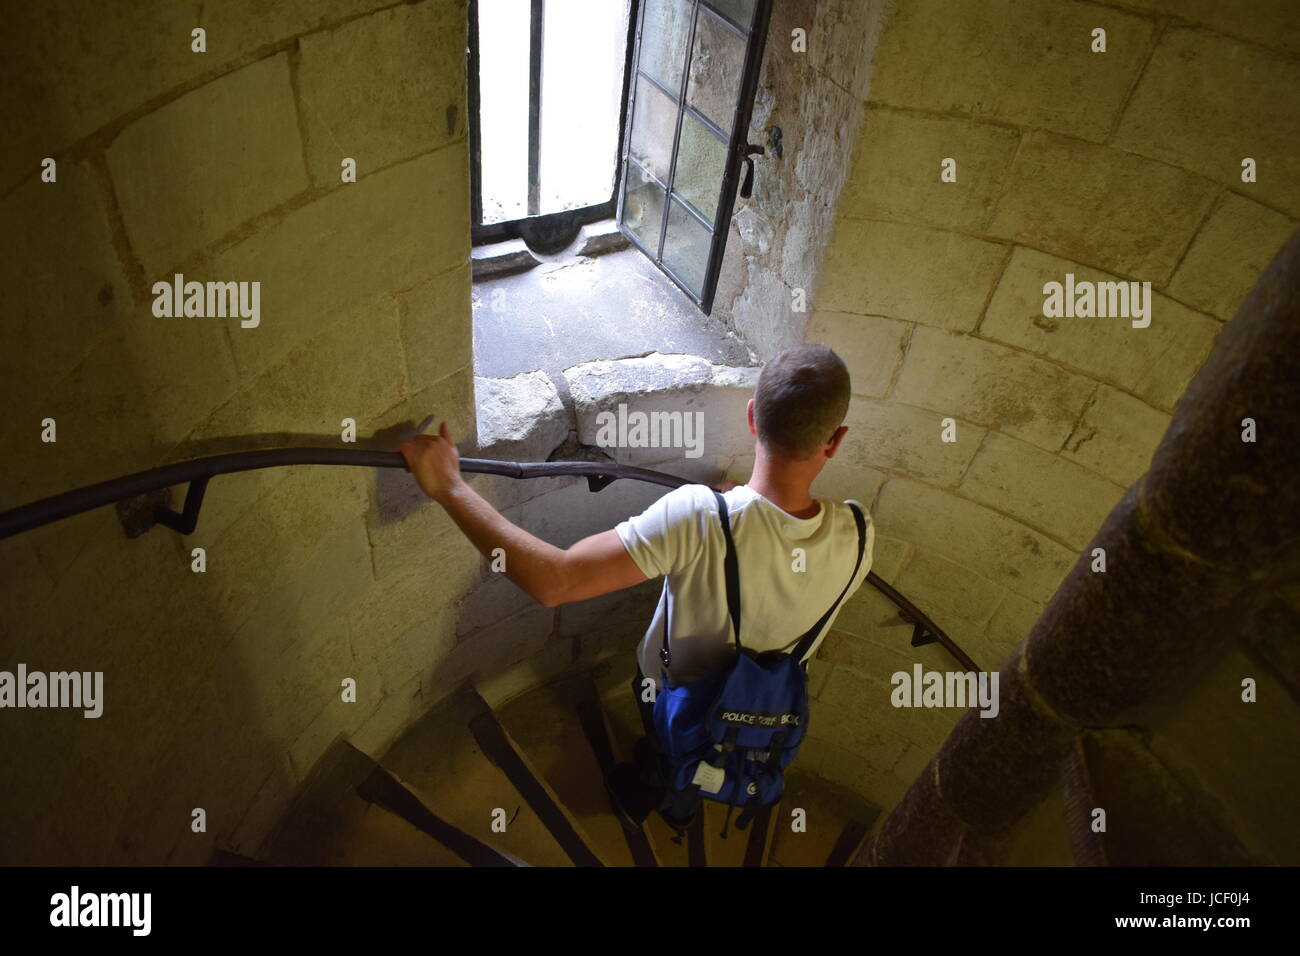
x: 800, y: 404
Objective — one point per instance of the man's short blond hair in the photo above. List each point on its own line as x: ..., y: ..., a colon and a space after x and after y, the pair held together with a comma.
x: 801, y: 399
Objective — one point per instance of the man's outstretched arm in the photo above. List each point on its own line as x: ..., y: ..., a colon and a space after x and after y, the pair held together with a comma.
x: 595, y: 565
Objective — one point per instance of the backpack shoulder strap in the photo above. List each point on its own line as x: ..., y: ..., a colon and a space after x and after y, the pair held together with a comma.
x: 731, y: 567
x: 806, y: 642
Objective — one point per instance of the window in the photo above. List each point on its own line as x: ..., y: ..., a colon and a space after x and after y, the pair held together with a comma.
x: 581, y: 111
x: 696, y: 70
x: 546, y: 87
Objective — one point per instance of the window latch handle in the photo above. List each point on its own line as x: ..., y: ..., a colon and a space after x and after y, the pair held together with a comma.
x: 747, y: 186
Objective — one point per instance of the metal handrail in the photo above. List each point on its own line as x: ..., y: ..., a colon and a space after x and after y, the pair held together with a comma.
x: 198, y: 471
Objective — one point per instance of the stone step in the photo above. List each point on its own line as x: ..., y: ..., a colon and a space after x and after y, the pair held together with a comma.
x: 614, y: 685
x: 720, y: 850
x: 547, y: 727
x: 447, y: 765
x: 836, y: 822
x: 330, y: 824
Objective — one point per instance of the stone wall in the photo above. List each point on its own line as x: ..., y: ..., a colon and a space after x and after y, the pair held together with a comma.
x: 223, y: 687
x: 1123, y: 165
x: 813, y: 80
x: 1149, y: 715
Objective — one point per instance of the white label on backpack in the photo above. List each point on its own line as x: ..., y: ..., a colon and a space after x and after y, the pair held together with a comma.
x: 709, y: 778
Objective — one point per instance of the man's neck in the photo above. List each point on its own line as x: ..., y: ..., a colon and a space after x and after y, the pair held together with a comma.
x: 786, y: 484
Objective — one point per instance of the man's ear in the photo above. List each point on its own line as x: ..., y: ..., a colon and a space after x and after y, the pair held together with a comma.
x: 834, y: 444
x: 749, y: 414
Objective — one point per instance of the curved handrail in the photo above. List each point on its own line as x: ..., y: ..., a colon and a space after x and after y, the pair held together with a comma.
x: 198, y: 471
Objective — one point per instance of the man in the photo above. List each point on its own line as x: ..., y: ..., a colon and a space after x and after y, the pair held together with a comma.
x: 795, y: 552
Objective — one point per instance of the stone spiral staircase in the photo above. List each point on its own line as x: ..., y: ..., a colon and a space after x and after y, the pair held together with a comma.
x: 522, y: 785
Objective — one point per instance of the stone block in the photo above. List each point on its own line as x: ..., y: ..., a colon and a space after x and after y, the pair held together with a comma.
x: 901, y: 438
x: 450, y: 399
x: 383, y: 88
x: 567, y: 515
x: 66, y: 291
x: 1206, y: 102
x: 520, y: 418
x: 553, y: 662
x: 415, y: 574
x: 312, y: 596
x: 384, y: 233
x: 58, y: 88
x: 352, y: 369
x: 907, y: 272
x: 395, y: 713
x: 1228, y: 254
x: 501, y: 259
x: 817, y: 675
x: 24, y: 598
x: 863, y: 684
x: 763, y: 313
x: 896, y: 170
x: 1010, y: 624
x: 876, y: 620
x: 103, y: 426
x: 822, y: 755
x: 1111, y: 209
x: 264, y: 544
x: 1265, y: 22
x: 500, y: 646
x: 839, y: 479
x: 1015, y: 61
x: 857, y: 28
x: 596, y: 239
x: 633, y: 607
x: 179, y: 183
x: 955, y: 598
x: 416, y: 652
x: 682, y: 385
x: 807, y: 231
x: 831, y: 117
x: 1201, y: 740
x: 888, y: 556
x: 1116, y: 436
x: 1005, y: 551
x: 437, y: 327
x: 976, y: 381
x: 872, y: 347
x: 493, y: 600
x: 1157, y: 361
x: 1041, y: 489
x: 1152, y: 819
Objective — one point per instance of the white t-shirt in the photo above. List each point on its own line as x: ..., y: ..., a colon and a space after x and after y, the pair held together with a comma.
x: 680, y: 537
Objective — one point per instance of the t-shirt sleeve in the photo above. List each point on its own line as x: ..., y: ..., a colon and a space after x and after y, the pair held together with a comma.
x: 666, y: 537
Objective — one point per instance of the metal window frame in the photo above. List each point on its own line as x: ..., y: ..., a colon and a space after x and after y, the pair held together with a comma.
x: 538, y: 228
x: 737, y: 147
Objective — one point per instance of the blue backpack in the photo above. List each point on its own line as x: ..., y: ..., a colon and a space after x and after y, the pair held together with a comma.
x: 729, y: 737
